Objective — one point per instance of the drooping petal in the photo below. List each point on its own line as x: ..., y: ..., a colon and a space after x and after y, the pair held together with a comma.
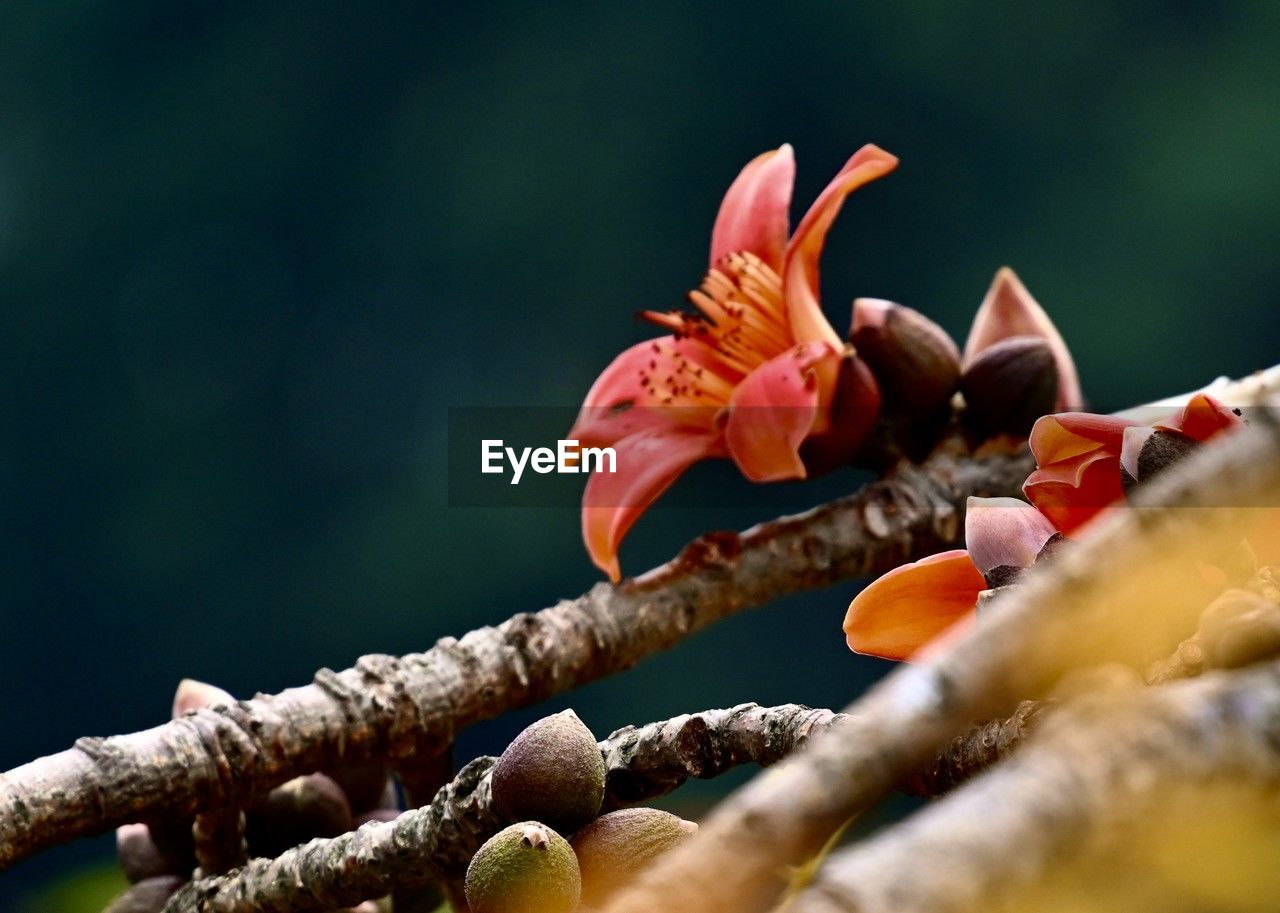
x: 1202, y: 418
x: 756, y: 211
x: 800, y: 262
x: 647, y: 463
x: 1072, y: 492
x: 1004, y: 532
x: 775, y: 408
x: 636, y: 391
x: 1009, y: 310
x: 1070, y: 434
x: 902, y: 611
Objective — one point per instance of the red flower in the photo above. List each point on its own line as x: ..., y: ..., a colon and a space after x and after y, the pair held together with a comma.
x: 753, y: 375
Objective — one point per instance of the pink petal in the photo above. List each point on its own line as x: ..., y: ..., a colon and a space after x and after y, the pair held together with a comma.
x: 620, y: 403
x: 1202, y: 418
x: 1004, y: 532
x: 756, y: 210
x: 1009, y: 310
x: 647, y: 463
x: 775, y: 408
x: 800, y: 262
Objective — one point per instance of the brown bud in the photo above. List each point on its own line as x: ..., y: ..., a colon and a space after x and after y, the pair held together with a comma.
x: 302, y: 809
x: 615, y: 847
x: 915, y: 362
x: 1146, y: 452
x: 1240, y: 627
x: 194, y: 695
x: 147, y: 896
x: 366, y: 785
x: 1010, y: 385
x: 140, y: 858
x: 854, y: 410
x: 553, y: 772
x: 174, y: 840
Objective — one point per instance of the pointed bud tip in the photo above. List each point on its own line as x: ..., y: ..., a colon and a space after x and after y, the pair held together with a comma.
x: 195, y: 695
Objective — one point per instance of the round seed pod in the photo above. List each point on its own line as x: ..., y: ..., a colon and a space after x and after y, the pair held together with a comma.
x: 304, y: 808
x: 615, y: 847
x: 552, y: 772
x: 524, y: 868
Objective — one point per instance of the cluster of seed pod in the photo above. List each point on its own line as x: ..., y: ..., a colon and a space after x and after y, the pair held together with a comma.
x: 551, y: 781
x: 158, y: 856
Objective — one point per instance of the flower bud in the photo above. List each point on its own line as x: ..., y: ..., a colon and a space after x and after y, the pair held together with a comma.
x: 139, y: 856
x: 915, y: 362
x: 194, y: 695
x: 1240, y: 627
x: 553, y: 772
x: 1147, y: 451
x: 147, y: 896
x: 302, y: 809
x: 615, y: 847
x: 854, y: 410
x: 366, y: 785
x: 1009, y: 385
x: 1004, y: 536
x: 524, y: 868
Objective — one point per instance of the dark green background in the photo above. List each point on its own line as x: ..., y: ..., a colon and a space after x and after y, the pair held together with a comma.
x: 250, y: 254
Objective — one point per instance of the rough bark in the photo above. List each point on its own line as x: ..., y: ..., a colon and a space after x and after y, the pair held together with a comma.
x: 436, y: 843
x: 1127, y: 593
x: 1093, y: 771
x: 391, y: 708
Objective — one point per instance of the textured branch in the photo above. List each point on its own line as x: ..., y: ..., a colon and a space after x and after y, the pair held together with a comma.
x: 1093, y: 771
x: 437, y: 842
x: 391, y: 708
x: 1127, y: 593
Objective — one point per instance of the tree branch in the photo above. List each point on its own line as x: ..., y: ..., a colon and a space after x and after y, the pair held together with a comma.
x: 1128, y: 592
x: 391, y: 708
x: 1105, y: 763
x: 436, y: 843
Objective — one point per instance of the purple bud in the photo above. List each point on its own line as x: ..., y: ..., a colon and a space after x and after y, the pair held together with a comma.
x: 1010, y: 385
x: 915, y: 362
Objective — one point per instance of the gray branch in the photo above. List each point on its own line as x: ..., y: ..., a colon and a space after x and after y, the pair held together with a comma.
x: 391, y: 708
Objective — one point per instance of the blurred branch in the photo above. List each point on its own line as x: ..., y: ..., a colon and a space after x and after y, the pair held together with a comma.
x: 393, y: 708
x: 1127, y: 592
x: 1101, y: 766
x: 436, y: 842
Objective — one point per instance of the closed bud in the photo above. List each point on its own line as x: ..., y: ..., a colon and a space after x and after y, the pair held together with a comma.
x: 1146, y: 451
x: 616, y: 847
x: 552, y: 772
x: 194, y: 695
x: 139, y: 856
x: 854, y: 410
x: 1009, y: 385
x: 915, y: 362
x: 298, y: 811
x: 147, y: 896
x: 367, y: 785
x: 1240, y: 627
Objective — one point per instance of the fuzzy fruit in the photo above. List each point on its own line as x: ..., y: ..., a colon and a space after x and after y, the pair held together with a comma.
x: 525, y: 868
x: 615, y: 847
x: 552, y: 772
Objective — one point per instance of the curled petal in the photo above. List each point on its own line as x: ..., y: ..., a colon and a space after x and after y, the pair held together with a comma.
x: 628, y: 395
x: 776, y: 407
x: 647, y: 463
x: 1072, y: 492
x: 1009, y: 310
x: 800, y: 262
x: 755, y: 213
x: 902, y: 611
x: 1202, y: 418
x: 1004, y: 532
x: 1067, y: 435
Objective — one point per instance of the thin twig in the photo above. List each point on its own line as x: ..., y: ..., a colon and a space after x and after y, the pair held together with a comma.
x: 1096, y: 768
x: 1089, y: 605
x: 391, y: 708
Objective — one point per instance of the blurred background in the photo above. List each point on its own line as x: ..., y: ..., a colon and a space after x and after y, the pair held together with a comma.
x: 252, y: 254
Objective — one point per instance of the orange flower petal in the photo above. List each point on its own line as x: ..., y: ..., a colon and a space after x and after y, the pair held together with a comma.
x: 1065, y: 435
x: 800, y: 262
x: 647, y: 463
x: 1009, y: 310
x: 774, y: 409
x: 1202, y: 418
x: 908, y: 607
x: 756, y: 211
x: 1072, y: 492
